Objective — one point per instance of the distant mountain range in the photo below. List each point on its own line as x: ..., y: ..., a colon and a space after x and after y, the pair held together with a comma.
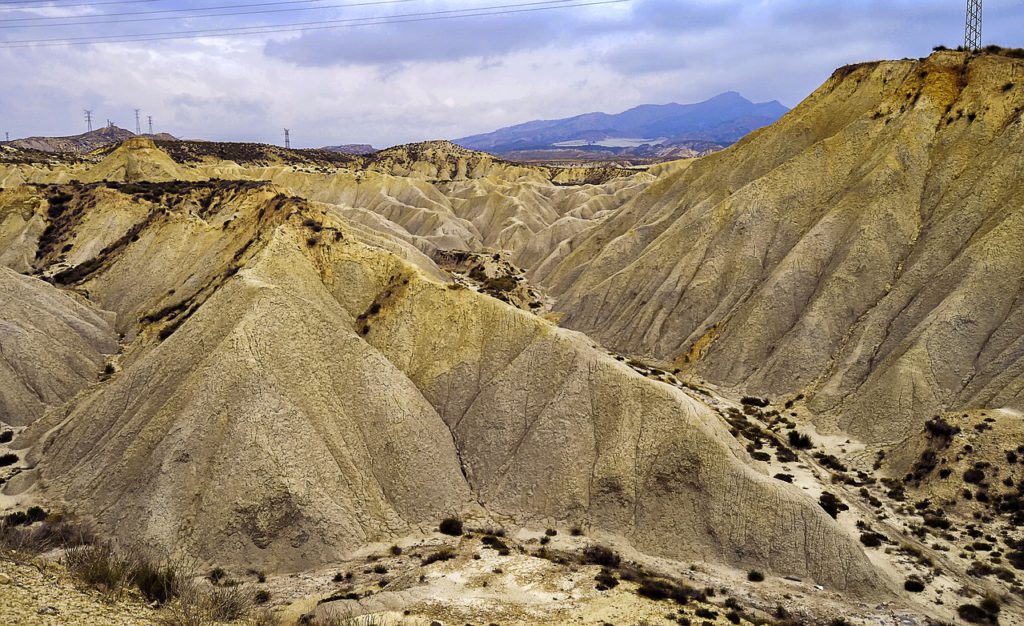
x: 81, y: 144
x: 644, y: 130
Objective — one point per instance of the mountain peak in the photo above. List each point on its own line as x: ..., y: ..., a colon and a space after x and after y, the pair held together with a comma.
x: 720, y: 120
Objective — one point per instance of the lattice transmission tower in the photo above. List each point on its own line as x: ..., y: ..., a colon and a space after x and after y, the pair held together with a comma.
x: 287, y: 138
x: 972, y: 31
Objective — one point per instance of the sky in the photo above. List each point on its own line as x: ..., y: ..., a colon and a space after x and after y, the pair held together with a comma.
x: 392, y: 71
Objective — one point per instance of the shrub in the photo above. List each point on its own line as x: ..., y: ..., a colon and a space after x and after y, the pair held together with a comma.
x: 913, y: 585
x: 601, y: 555
x: 831, y: 504
x: 24, y: 518
x: 974, y: 476
x: 55, y: 532
x: 871, y: 539
x: 495, y: 543
x: 444, y: 554
x: 755, y: 576
x: 606, y: 580
x: 576, y: 531
x: 799, y: 440
x: 751, y: 401
x: 940, y: 428
x: 380, y: 569
x: 216, y: 575
x: 733, y: 617
x: 99, y: 567
x: 155, y: 580
x: 8, y: 459
x: 262, y: 596
x: 227, y: 604
x: 658, y: 589
x: 396, y: 550
x: 551, y: 532
x: 7, y: 436
x: 451, y: 526
x: 786, y: 478
x: 974, y: 614
x: 830, y: 461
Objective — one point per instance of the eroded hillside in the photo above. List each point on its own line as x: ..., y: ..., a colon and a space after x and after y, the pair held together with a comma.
x: 271, y: 359
x: 864, y: 251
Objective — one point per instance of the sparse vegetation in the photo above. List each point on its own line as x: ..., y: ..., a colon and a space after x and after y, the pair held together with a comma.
x: 102, y: 567
x: 601, y: 555
x: 216, y: 575
x: 444, y: 554
x: 751, y: 401
x: 19, y: 533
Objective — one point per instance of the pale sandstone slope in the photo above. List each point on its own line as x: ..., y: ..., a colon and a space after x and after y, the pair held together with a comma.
x: 314, y: 391
x: 865, y: 250
x: 52, y: 346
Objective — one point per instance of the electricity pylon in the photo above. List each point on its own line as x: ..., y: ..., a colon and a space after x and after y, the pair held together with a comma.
x: 972, y: 30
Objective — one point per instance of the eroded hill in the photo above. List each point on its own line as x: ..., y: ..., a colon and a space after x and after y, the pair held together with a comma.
x: 864, y: 251
x: 261, y: 331
x: 273, y: 358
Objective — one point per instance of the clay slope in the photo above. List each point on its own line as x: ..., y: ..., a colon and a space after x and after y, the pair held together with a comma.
x: 866, y: 250
x: 298, y: 385
x: 52, y: 346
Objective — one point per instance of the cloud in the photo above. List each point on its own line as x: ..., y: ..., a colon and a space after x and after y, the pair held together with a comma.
x: 407, y: 82
x: 418, y: 42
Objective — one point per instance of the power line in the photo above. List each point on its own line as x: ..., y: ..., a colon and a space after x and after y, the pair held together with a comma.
x: 95, y: 19
x: 506, y: 9
x: 39, y: 4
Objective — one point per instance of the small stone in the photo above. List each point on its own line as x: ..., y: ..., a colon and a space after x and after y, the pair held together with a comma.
x: 48, y: 610
x: 4, y: 579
